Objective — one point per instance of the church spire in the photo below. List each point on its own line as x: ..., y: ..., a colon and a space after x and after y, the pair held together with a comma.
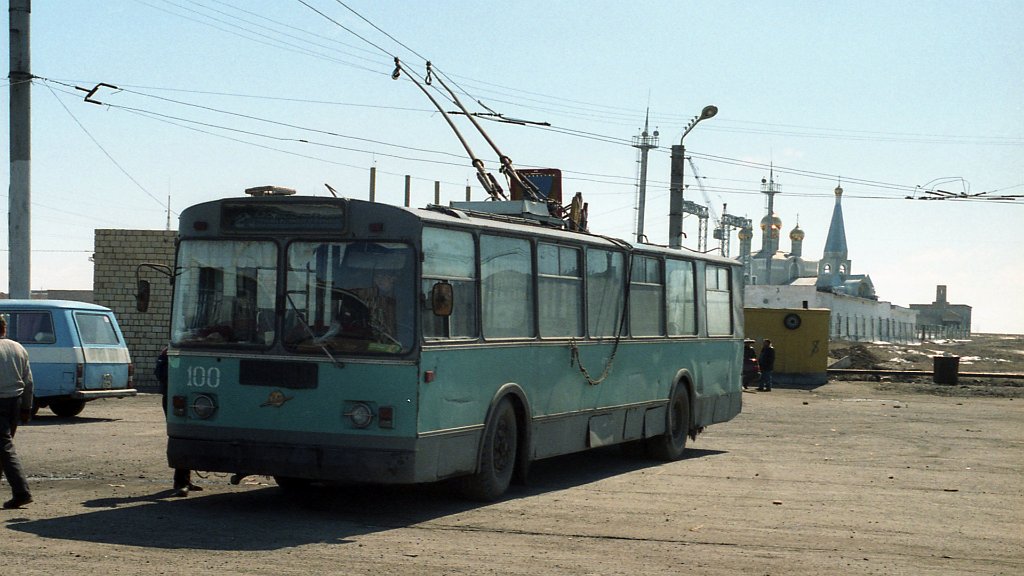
x: 834, y: 266
x: 835, y: 242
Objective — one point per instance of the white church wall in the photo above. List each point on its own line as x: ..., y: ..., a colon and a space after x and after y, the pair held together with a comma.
x: 852, y: 318
x: 772, y: 296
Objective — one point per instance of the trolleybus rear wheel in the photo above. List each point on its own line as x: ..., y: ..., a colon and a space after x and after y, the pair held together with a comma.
x: 499, y: 456
x: 670, y: 446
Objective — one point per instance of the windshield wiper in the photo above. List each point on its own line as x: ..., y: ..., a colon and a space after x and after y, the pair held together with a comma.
x: 309, y: 330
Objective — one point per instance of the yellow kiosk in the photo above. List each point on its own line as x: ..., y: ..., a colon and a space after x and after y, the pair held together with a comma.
x: 800, y: 338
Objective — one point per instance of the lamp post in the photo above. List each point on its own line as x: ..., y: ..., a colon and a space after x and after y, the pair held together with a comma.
x: 675, y: 209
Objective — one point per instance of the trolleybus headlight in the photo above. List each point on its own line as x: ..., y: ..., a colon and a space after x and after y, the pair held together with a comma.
x: 203, y: 406
x: 360, y: 414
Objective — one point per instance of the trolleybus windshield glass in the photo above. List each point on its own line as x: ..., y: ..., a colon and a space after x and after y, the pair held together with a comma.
x: 224, y: 294
x: 349, y: 297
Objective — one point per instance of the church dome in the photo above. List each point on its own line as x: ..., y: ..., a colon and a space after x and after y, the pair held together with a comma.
x: 796, y: 234
x: 746, y: 234
x: 776, y: 224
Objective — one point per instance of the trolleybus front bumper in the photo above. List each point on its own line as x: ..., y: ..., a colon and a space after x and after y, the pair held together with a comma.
x: 310, y: 461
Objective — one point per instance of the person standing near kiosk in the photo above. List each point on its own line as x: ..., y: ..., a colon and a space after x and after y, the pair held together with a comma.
x: 767, y: 362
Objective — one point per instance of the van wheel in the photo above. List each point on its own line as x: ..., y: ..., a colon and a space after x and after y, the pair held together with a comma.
x: 67, y: 408
x: 498, y: 459
x: 672, y: 443
x: 293, y: 485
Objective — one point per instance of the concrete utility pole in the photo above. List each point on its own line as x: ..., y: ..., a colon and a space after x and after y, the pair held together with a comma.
x: 19, y: 214
x: 675, y: 187
x: 645, y: 143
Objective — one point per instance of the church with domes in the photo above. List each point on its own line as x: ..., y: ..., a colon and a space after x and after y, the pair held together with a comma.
x: 779, y: 279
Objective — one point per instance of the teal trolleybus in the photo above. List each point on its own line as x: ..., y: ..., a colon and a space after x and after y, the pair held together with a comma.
x: 339, y: 340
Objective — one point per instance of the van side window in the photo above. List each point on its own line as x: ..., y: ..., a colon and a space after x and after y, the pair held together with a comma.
x: 30, y: 327
x: 95, y: 329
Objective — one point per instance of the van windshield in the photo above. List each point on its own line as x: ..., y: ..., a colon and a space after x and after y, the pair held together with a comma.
x: 224, y: 293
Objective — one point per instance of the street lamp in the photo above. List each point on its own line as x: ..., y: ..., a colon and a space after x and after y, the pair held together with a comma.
x: 675, y: 209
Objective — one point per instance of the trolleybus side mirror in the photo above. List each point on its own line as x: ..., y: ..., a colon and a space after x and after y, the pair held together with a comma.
x: 142, y: 286
x: 142, y: 296
x: 442, y: 299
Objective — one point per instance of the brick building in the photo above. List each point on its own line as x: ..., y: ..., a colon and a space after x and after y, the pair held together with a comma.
x: 118, y: 254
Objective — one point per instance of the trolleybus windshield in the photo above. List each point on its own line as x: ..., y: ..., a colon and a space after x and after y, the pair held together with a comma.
x: 349, y: 297
x: 225, y: 293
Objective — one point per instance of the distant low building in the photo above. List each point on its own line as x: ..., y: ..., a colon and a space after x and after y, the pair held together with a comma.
x: 942, y: 319
x: 73, y: 295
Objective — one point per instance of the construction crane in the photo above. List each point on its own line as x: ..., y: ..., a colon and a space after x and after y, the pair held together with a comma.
x: 723, y: 225
x: 726, y: 224
x: 701, y: 212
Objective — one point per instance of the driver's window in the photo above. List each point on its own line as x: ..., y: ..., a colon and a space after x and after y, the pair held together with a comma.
x: 349, y: 297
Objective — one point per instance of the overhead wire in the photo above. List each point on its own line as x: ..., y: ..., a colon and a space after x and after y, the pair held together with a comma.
x: 257, y: 37
x: 605, y: 179
x: 301, y: 31
x: 624, y: 114
x: 104, y: 150
x: 267, y: 121
x: 555, y: 129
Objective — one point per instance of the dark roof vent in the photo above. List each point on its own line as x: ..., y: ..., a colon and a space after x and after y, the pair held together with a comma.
x: 269, y: 191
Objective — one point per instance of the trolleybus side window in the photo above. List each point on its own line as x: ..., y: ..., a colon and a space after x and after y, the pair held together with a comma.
x: 646, y: 312
x: 351, y: 297
x: 449, y: 256
x: 679, y: 296
x: 605, y: 273
x: 719, y: 297
x: 506, y: 276
x: 560, y: 285
x: 225, y: 294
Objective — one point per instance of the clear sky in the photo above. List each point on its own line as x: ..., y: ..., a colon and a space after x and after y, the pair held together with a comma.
x: 889, y: 98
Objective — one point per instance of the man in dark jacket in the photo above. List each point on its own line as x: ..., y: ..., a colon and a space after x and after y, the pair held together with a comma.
x: 751, y: 371
x: 182, y: 476
x: 767, y: 362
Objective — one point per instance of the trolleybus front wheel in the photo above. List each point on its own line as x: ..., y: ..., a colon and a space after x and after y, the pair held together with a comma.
x: 670, y: 446
x: 498, y: 460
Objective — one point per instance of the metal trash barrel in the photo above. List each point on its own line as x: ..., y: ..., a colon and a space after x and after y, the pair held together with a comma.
x: 946, y: 369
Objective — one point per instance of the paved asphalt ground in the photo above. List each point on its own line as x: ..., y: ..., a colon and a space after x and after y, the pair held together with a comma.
x: 848, y: 478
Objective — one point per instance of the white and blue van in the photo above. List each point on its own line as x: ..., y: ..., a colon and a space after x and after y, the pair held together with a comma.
x: 76, y: 350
